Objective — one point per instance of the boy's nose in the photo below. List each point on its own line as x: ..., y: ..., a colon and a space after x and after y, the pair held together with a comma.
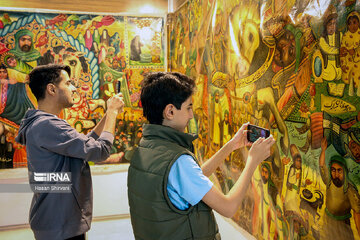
x: 73, y: 88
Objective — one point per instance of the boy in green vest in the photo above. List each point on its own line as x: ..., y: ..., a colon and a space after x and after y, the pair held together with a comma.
x: 170, y: 195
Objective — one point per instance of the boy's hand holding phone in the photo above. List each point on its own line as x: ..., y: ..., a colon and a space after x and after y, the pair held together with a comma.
x: 118, y: 86
x: 240, y: 140
x: 254, y: 132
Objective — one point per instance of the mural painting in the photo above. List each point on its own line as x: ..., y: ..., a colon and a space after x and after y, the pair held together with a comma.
x: 99, y: 51
x: 291, y: 67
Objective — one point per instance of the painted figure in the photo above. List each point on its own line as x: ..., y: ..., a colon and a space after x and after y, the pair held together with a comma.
x: 135, y: 48
x: 330, y: 46
x: 24, y: 47
x: 349, y: 51
x: 341, y: 197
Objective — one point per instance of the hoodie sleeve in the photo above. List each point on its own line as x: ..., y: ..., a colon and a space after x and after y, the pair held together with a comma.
x: 59, y: 137
x: 93, y: 135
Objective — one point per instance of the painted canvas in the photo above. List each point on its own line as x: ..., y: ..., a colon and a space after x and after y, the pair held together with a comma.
x: 99, y: 51
x: 292, y: 67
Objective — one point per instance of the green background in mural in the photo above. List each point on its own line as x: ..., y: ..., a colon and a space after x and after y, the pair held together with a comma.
x: 291, y: 67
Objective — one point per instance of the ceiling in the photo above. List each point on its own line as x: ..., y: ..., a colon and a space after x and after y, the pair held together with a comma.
x: 156, y: 7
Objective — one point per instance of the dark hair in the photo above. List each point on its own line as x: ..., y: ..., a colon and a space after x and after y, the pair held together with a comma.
x: 2, y: 66
x: 41, y: 76
x: 162, y: 88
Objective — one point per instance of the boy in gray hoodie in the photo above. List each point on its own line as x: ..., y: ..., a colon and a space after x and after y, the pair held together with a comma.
x: 52, y: 145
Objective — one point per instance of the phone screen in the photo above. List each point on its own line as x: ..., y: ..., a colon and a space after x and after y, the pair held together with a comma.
x: 255, y: 132
x: 118, y: 86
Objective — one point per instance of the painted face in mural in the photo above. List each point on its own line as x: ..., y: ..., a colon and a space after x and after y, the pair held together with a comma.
x: 3, y: 73
x: 353, y: 24
x: 74, y: 63
x: 298, y: 162
x: 122, y: 62
x: 11, y: 61
x: 264, y: 175
x: 115, y: 64
x: 285, y: 50
x: 331, y: 26
x: 25, y: 43
x: 337, y: 174
x: 355, y: 149
x: 217, y: 97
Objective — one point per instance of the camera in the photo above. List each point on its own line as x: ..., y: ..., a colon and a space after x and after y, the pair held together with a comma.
x: 118, y: 86
x: 254, y: 132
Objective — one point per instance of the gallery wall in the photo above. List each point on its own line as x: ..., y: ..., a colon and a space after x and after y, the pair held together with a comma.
x: 291, y: 67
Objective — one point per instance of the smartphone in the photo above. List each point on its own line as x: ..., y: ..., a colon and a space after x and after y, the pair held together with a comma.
x: 255, y: 132
x: 118, y: 86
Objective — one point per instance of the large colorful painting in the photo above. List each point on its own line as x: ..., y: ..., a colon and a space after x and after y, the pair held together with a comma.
x: 291, y: 67
x: 103, y: 56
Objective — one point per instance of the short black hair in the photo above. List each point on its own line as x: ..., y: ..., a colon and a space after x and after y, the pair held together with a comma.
x: 162, y: 88
x: 41, y: 76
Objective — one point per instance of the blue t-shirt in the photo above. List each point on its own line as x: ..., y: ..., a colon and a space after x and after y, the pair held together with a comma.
x: 187, y: 184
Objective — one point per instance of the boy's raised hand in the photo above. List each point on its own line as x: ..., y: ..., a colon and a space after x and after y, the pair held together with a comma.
x: 240, y: 138
x: 260, y: 150
x: 116, y: 103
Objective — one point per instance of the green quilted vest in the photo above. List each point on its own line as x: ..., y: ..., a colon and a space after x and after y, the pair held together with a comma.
x: 153, y: 216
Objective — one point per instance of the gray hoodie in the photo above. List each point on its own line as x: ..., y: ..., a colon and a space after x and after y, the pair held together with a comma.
x: 52, y: 145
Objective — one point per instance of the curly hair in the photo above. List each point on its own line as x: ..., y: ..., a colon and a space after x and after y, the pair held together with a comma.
x: 162, y: 88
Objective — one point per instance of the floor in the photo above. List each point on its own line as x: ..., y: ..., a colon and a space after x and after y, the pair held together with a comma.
x: 121, y: 229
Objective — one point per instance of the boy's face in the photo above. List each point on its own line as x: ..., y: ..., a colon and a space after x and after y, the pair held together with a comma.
x: 65, y: 90
x: 183, y: 116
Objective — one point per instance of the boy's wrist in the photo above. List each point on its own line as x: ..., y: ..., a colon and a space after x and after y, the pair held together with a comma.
x: 250, y: 164
x: 231, y: 144
x: 112, y: 112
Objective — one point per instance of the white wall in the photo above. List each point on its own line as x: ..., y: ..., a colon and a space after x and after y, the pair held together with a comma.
x: 110, y: 198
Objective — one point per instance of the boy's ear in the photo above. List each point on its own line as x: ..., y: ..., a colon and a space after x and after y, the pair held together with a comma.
x: 169, y: 112
x: 50, y: 89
